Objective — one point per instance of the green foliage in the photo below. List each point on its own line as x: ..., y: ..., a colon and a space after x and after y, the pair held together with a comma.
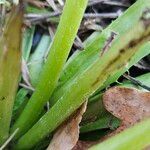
x: 10, y: 64
x: 93, y: 46
x: 60, y: 48
x: 116, y: 58
x: 134, y: 138
x: 67, y: 84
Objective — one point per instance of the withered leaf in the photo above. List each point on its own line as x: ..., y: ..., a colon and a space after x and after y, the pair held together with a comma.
x: 67, y: 135
x: 83, y: 145
x: 128, y: 104
x: 25, y: 73
x: 37, y: 3
x: 10, y: 64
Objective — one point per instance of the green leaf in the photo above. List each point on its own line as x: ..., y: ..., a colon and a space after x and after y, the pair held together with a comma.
x: 37, y: 59
x: 60, y: 48
x: 107, y: 121
x: 144, y: 79
x: 10, y: 64
x: 20, y: 101
x: 81, y: 60
x: 117, y: 57
x: 27, y: 42
x: 95, y: 108
x: 134, y: 138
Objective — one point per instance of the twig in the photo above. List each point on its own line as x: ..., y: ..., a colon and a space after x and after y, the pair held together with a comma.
x: 115, y: 3
x: 61, y: 2
x: 107, y: 2
x: 78, y: 43
x: 86, y: 15
x: 108, y: 42
x: 37, y: 3
x: 25, y: 73
x: 92, y: 3
x: 53, y: 5
x: 42, y: 16
x: 9, y: 139
x: 143, y: 64
x: 136, y: 82
x: 35, y: 18
x: 101, y: 15
x: 27, y: 87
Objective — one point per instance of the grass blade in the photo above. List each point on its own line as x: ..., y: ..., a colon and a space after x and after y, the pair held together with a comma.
x: 78, y: 62
x: 35, y: 63
x: 134, y: 138
x: 115, y: 58
x: 10, y: 65
x: 37, y: 59
x: 95, y: 110
x: 27, y: 42
x: 20, y: 102
x: 61, y: 45
x: 139, y: 54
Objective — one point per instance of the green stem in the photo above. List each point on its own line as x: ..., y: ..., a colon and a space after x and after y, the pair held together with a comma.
x: 62, y: 43
x: 10, y: 64
x: 115, y: 58
x: 134, y: 138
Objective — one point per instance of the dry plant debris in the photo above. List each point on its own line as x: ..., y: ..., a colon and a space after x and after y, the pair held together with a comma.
x: 67, y: 135
x: 129, y: 105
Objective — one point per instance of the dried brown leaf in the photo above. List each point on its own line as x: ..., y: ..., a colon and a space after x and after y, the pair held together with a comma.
x: 129, y: 105
x: 37, y: 3
x: 83, y: 145
x: 53, y: 5
x: 67, y: 135
x: 25, y: 73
